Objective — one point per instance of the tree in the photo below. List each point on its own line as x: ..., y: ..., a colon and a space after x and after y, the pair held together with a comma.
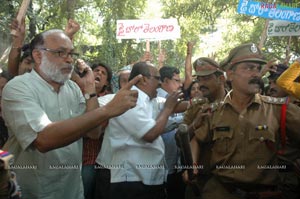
x: 200, y: 21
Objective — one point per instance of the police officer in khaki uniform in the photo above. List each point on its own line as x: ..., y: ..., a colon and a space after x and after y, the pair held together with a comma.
x: 243, y: 131
x: 212, y: 85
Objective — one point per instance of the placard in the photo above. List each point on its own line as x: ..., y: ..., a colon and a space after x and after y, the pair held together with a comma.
x: 158, y: 29
x: 269, y: 10
x: 283, y: 28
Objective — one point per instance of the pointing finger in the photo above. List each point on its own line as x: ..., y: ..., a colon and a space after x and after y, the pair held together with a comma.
x: 132, y: 82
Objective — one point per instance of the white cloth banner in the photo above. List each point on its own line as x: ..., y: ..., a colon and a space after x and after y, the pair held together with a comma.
x: 283, y: 28
x: 157, y: 29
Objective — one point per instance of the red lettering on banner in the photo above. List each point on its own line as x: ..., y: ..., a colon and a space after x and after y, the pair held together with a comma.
x: 170, y: 28
x: 267, y: 5
x: 137, y: 29
x: 133, y: 28
x: 158, y: 29
x: 145, y: 29
x: 121, y: 30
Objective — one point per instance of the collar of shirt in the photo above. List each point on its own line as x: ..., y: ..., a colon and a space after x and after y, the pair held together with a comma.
x: 35, y: 75
x: 228, y: 99
x: 142, y: 95
x: 162, y: 93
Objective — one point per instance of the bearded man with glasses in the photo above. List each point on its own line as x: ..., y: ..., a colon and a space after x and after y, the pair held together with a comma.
x: 47, y: 114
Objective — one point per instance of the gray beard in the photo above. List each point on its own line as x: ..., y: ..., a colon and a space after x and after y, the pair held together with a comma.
x: 52, y: 71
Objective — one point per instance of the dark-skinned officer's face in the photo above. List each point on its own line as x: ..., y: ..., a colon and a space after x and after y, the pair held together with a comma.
x: 209, y: 85
x: 245, y: 77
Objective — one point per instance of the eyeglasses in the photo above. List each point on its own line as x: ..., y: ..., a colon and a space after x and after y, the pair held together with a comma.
x: 62, y: 53
x: 155, y: 77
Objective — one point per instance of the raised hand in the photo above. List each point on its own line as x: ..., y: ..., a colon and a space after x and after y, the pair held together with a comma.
x: 190, y: 46
x: 146, y: 57
x: 72, y: 28
x: 270, y: 66
x: 19, y: 33
x: 125, y: 98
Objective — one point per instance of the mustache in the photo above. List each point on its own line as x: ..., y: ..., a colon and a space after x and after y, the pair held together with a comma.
x: 256, y: 80
x: 68, y: 66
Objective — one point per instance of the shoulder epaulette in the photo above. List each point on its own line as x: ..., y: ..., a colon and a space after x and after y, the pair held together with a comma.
x: 274, y: 100
x: 214, y: 106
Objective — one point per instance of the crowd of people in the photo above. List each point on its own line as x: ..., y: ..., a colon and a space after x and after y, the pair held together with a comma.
x: 74, y: 135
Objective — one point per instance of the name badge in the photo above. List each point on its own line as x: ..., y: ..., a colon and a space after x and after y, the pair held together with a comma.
x: 222, y: 128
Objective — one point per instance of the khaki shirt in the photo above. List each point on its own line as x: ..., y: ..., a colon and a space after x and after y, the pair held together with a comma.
x: 205, y: 151
x: 239, y: 150
x: 191, y: 113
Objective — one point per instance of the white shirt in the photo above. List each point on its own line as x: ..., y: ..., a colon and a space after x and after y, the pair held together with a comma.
x: 29, y: 104
x: 124, y: 151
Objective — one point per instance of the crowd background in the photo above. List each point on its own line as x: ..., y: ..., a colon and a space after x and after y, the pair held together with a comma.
x: 215, y: 28
x: 170, y: 73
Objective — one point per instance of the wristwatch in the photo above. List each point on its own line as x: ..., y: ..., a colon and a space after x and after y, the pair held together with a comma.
x: 88, y: 96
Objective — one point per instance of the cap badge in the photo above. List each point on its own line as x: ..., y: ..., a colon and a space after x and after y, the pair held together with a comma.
x: 253, y: 48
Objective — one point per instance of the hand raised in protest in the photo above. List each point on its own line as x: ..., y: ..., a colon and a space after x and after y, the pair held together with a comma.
x: 269, y: 67
x: 19, y: 32
x: 146, y: 57
x: 190, y: 46
x: 72, y: 28
x: 125, y: 98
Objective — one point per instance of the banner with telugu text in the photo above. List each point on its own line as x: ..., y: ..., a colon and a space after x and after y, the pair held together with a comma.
x: 157, y: 29
x: 283, y: 28
x: 269, y: 10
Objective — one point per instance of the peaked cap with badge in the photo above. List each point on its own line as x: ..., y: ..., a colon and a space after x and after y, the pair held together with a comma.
x: 243, y: 53
x: 205, y: 66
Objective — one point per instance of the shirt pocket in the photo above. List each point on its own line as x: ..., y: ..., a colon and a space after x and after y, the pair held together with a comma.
x: 262, y: 143
x: 262, y: 135
x: 222, y: 136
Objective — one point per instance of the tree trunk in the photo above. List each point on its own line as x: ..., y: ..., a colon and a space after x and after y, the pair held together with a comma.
x: 70, y: 7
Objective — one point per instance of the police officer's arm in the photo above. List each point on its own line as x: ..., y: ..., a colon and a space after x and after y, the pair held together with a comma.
x: 198, y: 120
x: 195, y: 149
x: 61, y: 133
